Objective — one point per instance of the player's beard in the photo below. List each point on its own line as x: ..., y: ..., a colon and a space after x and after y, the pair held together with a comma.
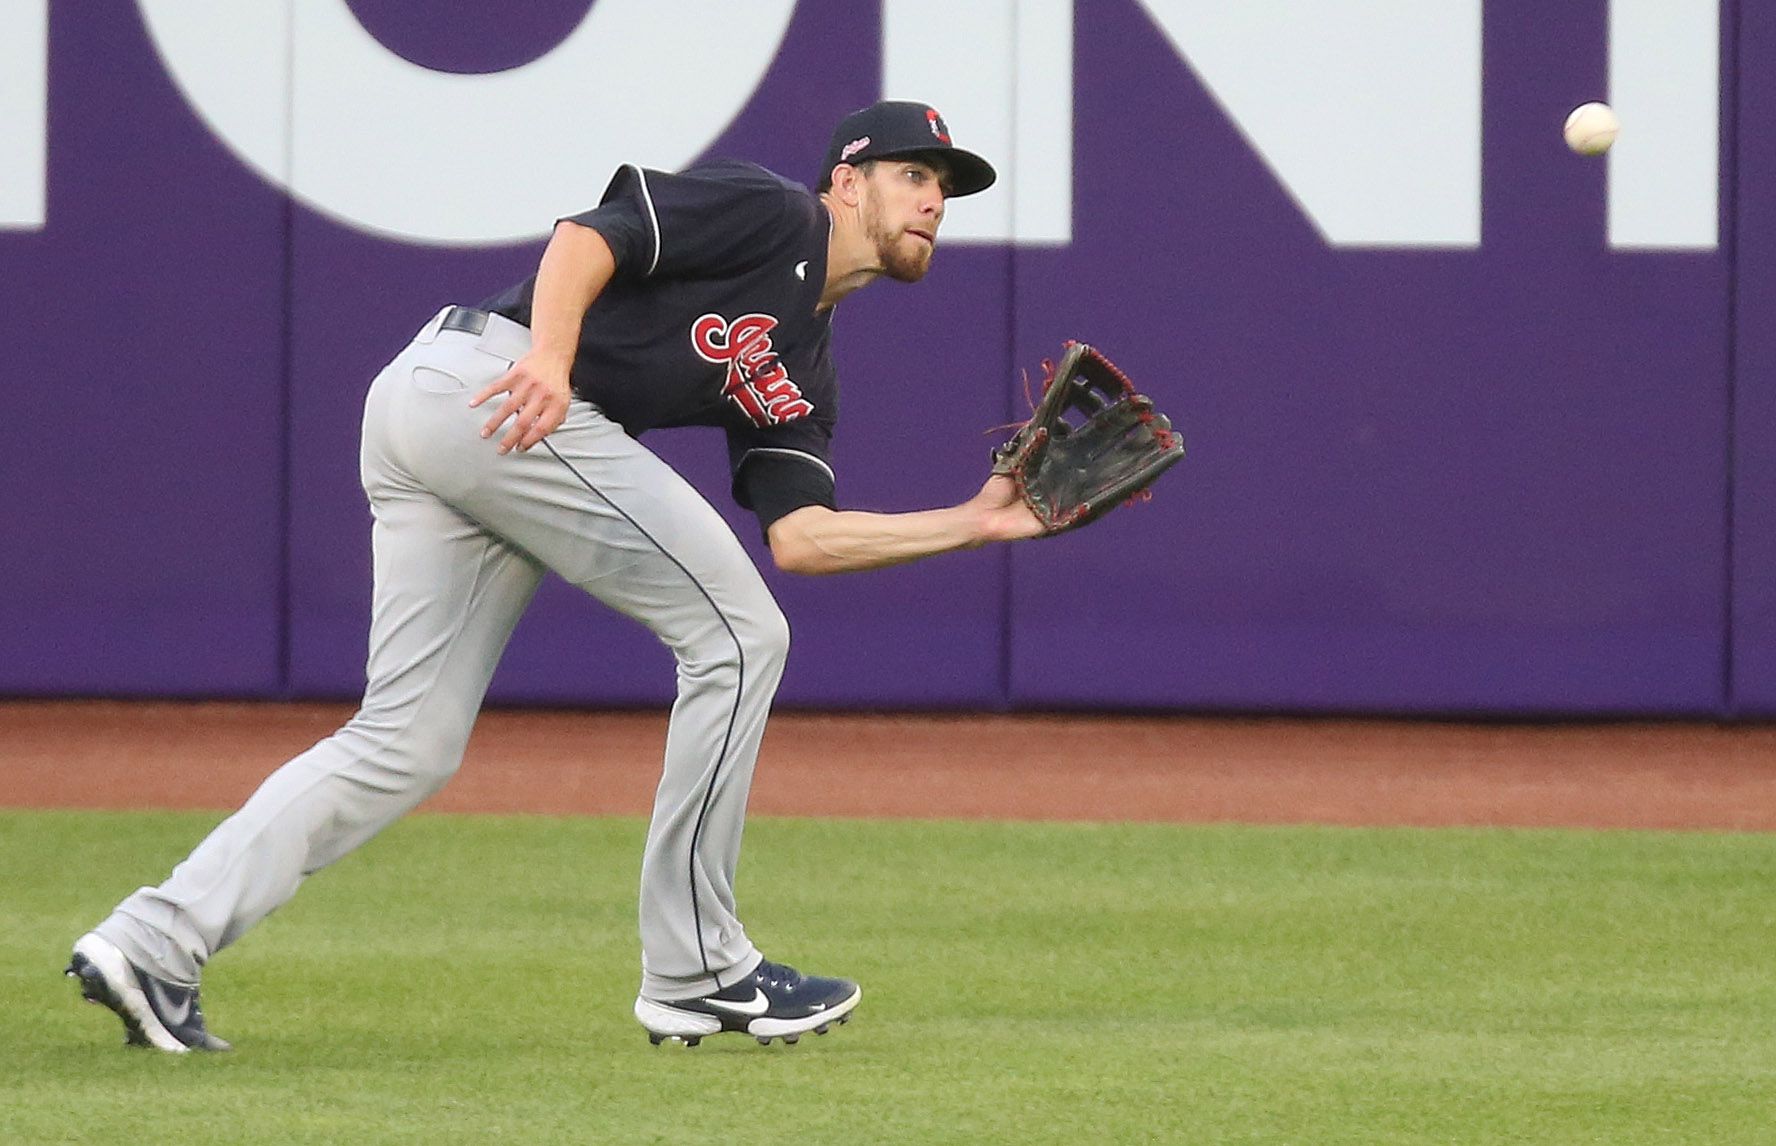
x: 904, y: 256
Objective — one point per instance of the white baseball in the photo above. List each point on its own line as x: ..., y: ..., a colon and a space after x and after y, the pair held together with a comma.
x: 1591, y: 128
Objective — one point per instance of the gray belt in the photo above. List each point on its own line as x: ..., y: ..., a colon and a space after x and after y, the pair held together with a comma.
x: 464, y: 318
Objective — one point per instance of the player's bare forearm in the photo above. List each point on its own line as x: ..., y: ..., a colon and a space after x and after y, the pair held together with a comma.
x: 576, y: 267
x: 815, y: 540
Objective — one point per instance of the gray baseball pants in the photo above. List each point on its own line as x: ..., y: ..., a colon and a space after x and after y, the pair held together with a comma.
x: 461, y: 540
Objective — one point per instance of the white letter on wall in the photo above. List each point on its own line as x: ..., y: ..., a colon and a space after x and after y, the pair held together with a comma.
x: 1664, y: 172
x: 1367, y: 111
x: 316, y: 105
x: 24, y: 110
x: 1001, y: 72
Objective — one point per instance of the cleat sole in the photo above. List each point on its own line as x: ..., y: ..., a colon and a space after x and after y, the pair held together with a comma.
x: 95, y: 988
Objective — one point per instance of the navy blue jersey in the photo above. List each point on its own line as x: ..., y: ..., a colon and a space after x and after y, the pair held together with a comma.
x: 710, y: 320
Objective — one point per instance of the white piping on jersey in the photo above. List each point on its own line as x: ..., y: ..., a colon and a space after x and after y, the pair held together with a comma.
x: 653, y: 218
x: 807, y: 457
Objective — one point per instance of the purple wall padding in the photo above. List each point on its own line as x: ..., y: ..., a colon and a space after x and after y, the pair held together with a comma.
x: 1754, y: 495
x: 1484, y: 480
x: 140, y: 465
x: 1450, y: 481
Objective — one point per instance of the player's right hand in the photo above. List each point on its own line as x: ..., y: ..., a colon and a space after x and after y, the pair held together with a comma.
x: 537, y: 393
x: 1003, y: 514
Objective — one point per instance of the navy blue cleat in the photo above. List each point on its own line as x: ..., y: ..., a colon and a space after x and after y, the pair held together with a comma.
x: 155, y: 1013
x: 775, y: 1001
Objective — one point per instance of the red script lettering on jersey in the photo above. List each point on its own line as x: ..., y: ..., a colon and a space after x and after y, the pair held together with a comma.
x: 757, y: 381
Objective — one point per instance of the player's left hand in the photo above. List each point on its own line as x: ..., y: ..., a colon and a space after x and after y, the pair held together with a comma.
x: 1092, y: 443
x: 537, y: 393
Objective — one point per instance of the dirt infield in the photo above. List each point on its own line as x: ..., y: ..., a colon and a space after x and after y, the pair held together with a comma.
x: 110, y: 754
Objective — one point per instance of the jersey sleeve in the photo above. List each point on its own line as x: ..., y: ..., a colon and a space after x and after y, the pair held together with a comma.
x: 779, y: 470
x: 700, y: 223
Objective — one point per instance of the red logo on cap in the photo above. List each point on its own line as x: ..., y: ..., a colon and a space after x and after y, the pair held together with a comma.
x: 936, y: 123
x: 757, y: 381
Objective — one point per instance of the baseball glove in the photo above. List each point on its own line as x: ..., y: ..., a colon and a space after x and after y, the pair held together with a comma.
x: 1091, y: 443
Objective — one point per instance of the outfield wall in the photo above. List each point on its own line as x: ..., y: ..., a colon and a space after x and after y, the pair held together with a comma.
x: 1476, y: 426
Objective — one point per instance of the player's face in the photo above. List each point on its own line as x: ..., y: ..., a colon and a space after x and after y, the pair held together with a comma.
x: 903, y: 207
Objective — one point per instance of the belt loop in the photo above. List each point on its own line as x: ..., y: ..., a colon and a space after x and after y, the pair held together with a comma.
x: 504, y: 338
x: 429, y: 332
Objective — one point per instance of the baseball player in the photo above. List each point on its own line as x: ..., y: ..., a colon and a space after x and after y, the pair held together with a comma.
x: 502, y: 443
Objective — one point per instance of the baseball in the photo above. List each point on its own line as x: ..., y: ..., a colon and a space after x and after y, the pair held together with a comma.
x: 1591, y: 128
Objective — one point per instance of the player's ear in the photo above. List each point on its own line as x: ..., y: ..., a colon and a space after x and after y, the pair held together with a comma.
x: 847, y: 184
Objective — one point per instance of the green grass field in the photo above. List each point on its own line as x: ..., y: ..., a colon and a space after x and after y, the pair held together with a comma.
x: 469, y: 980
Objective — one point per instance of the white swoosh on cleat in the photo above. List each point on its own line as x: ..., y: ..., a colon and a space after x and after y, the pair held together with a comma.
x: 757, y: 1005
x: 176, y: 1016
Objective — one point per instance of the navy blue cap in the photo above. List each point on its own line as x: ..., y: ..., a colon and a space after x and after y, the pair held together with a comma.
x: 897, y: 128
